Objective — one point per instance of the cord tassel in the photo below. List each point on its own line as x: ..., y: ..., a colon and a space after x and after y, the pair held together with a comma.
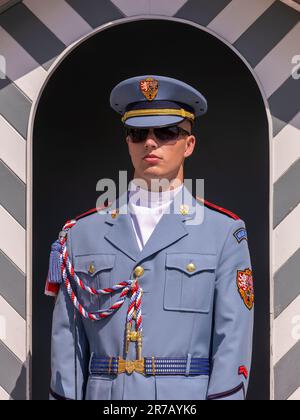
x: 55, y: 273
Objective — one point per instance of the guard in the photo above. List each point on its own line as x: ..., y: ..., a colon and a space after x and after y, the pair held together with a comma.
x: 154, y: 303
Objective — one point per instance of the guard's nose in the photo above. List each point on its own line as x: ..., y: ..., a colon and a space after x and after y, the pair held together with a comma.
x: 151, y: 140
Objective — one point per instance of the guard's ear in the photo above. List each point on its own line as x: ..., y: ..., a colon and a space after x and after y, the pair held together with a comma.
x: 126, y: 135
x: 128, y: 140
x: 190, y: 145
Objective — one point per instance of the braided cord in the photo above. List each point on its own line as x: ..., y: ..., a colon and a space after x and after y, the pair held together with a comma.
x: 68, y: 273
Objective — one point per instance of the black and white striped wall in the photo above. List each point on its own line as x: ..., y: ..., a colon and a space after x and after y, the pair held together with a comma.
x: 34, y: 34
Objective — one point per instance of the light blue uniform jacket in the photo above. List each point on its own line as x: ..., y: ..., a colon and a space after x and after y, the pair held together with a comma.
x: 198, y: 314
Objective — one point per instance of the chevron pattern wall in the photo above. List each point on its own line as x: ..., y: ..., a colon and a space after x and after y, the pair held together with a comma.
x: 34, y: 33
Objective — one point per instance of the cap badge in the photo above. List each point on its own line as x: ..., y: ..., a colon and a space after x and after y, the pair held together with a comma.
x: 149, y: 88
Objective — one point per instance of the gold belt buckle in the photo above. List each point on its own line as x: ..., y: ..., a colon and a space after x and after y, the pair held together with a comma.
x: 130, y: 366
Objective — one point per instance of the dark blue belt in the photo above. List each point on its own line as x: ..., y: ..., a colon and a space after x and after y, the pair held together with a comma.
x: 150, y: 365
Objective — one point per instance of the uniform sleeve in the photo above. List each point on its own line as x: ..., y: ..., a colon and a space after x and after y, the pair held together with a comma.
x: 233, y: 319
x: 69, y: 348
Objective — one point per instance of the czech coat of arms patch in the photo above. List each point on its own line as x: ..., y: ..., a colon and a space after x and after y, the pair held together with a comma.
x: 245, y: 286
x: 149, y: 88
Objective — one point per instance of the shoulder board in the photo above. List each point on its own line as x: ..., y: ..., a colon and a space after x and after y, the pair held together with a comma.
x: 218, y: 208
x: 70, y: 223
x: 91, y: 211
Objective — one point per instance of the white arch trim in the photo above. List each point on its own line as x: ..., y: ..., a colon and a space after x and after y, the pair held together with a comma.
x: 292, y: 4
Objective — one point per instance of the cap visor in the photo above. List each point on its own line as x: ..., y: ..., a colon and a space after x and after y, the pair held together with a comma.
x: 153, y: 121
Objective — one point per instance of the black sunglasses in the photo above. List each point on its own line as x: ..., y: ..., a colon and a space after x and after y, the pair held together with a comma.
x: 172, y: 132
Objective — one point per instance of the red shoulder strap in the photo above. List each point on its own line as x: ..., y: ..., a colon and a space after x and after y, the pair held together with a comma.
x: 218, y: 208
x: 91, y: 211
x: 72, y: 222
x: 86, y: 213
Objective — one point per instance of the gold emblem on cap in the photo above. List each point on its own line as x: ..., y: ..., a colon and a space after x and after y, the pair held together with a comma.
x: 149, y: 88
x: 184, y: 209
x: 91, y: 269
x: 114, y: 213
x: 191, y: 267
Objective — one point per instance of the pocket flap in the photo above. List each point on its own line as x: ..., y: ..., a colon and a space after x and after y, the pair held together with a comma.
x: 200, y: 262
x: 92, y: 264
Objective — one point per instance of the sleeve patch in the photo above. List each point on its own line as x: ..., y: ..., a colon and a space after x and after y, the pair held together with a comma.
x: 245, y: 287
x: 240, y: 234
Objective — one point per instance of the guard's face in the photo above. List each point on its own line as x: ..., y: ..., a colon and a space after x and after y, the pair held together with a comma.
x: 171, y: 154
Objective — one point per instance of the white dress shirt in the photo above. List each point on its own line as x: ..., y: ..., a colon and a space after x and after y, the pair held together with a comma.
x: 147, y: 208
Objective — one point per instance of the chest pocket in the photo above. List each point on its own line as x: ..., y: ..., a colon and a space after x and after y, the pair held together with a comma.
x: 190, y: 281
x: 96, y: 271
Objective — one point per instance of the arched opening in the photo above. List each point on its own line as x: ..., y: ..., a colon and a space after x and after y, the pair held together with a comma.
x: 77, y: 140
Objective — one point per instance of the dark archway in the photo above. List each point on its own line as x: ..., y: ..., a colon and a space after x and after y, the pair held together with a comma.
x: 78, y: 139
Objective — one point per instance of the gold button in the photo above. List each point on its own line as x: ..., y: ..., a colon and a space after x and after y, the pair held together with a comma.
x: 191, y: 267
x: 92, y: 269
x: 139, y: 271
